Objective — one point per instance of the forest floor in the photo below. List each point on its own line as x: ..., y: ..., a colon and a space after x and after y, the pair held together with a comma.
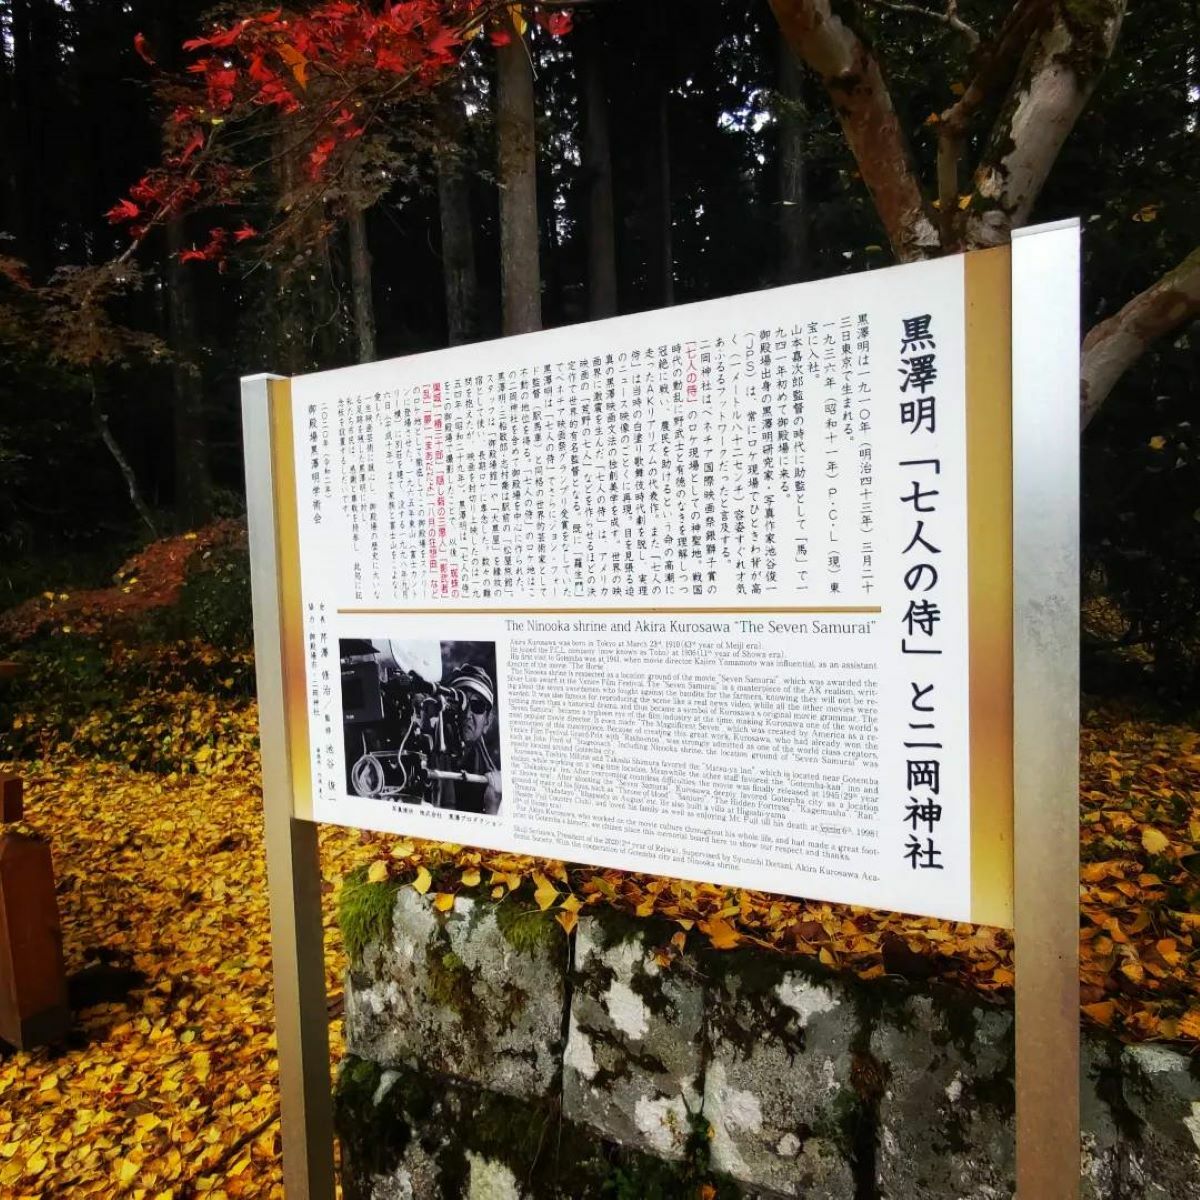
x: 167, y: 1086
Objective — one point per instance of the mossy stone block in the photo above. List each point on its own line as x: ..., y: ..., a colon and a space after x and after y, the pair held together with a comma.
x: 1161, y: 1090
x: 457, y: 993
x: 407, y: 1135
x: 946, y: 1112
x: 633, y: 1064
x: 778, y: 1088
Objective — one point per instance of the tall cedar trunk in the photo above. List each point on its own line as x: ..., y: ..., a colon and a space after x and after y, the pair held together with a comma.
x: 8, y: 164
x: 597, y: 173
x: 520, y: 274
x: 291, y: 282
x: 662, y: 252
x: 361, y: 282
x: 32, y: 31
x: 193, y: 482
x: 793, y: 201
x: 193, y: 477
x: 459, y: 278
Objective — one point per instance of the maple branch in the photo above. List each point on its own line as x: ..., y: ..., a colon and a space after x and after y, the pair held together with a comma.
x: 950, y: 17
x: 1057, y: 73
x: 851, y: 75
x: 1115, y: 344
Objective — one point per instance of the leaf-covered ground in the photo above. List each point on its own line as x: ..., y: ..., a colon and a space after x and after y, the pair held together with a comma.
x: 169, y: 1090
x: 168, y: 1087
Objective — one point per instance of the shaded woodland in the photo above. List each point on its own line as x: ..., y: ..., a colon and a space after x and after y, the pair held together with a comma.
x: 653, y: 153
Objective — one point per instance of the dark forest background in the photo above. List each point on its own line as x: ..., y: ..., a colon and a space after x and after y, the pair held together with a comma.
x: 683, y: 153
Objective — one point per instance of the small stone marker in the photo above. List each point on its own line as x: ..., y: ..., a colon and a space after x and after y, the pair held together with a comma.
x: 33, y: 984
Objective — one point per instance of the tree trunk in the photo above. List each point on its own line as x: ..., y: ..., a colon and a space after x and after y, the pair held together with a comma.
x: 8, y: 134
x: 32, y: 34
x: 361, y: 283
x: 193, y: 482
x: 793, y: 202
x: 459, y: 278
x: 307, y: 331
x: 520, y: 273
x: 100, y: 420
x: 597, y: 174
x: 1058, y: 72
x: 1115, y: 344
x: 817, y: 30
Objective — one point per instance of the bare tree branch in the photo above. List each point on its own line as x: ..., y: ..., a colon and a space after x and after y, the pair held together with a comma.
x: 1115, y: 344
x: 1057, y: 74
x: 852, y: 77
x: 949, y: 17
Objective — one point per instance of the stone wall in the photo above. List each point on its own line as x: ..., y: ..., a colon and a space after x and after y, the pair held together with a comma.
x: 492, y: 1057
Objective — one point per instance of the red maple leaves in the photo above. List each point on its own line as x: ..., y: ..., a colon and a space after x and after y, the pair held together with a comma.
x: 143, y: 48
x: 123, y: 210
x: 330, y: 70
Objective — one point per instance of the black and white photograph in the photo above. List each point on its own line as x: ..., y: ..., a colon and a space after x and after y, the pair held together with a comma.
x: 421, y: 723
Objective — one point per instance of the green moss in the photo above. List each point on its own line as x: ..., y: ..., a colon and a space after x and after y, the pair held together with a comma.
x: 449, y: 980
x: 364, y: 912
x: 527, y: 928
x: 374, y: 1135
x: 649, y: 1179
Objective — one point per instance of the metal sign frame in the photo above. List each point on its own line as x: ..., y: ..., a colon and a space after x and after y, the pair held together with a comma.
x: 1045, y: 527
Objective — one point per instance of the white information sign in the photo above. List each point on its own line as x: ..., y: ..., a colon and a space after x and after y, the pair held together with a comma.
x: 721, y: 591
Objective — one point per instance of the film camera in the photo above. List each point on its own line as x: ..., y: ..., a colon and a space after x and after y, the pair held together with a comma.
x: 403, y: 733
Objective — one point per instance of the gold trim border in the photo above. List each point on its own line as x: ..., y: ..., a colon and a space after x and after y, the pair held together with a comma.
x: 777, y: 610
x: 291, y: 612
x: 988, y: 298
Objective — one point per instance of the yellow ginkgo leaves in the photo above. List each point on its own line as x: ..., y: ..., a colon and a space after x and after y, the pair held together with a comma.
x: 1154, y: 841
x: 545, y: 894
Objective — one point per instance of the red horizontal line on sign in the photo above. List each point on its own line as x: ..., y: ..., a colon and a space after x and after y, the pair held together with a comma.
x: 850, y: 609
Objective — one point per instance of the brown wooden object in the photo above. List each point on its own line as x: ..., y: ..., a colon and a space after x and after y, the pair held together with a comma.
x: 12, y: 806
x: 10, y: 670
x: 33, y: 986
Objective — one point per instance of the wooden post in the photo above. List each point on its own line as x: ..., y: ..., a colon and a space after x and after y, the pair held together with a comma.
x: 293, y: 865
x: 33, y: 983
x: 12, y: 806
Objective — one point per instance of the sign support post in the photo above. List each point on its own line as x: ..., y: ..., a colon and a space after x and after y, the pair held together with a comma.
x: 293, y: 864
x: 1045, y: 338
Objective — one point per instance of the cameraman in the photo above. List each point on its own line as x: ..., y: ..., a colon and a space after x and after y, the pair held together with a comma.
x: 479, y: 717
